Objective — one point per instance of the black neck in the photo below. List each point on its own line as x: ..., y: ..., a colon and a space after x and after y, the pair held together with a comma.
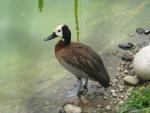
x: 66, y: 40
x: 66, y: 35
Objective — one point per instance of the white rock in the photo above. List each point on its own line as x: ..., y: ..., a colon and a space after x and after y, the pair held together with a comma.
x: 141, y: 63
x: 112, y: 91
x: 114, y: 94
x: 69, y: 108
x: 99, y: 106
x: 108, y: 108
x: 105, y: 97
x: 132, y: 80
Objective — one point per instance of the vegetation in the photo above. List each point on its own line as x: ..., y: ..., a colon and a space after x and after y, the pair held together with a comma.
x: 139, y: 100
x: 76, y: 18
x: 41, y: 5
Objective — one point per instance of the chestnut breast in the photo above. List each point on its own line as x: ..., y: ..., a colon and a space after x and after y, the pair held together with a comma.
x: 82, y: 61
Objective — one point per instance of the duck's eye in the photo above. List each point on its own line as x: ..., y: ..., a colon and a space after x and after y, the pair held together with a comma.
x: 59, y: 30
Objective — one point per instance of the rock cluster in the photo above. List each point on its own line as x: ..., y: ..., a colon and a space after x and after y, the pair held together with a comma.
x: 135, y: 64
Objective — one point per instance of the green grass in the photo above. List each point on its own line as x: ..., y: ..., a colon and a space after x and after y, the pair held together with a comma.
x: 139, y: 100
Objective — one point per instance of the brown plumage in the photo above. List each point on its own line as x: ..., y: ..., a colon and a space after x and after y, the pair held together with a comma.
x: 82, y: 61
x: 79, y: 58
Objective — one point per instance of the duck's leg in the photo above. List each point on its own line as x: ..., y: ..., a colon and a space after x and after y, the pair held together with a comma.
x: 79, y: 89
x: 83, y: 82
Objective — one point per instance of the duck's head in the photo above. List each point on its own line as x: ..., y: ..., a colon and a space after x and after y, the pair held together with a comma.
x: 61, y: 31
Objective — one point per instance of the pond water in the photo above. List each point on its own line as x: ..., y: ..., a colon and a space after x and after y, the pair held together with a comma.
x: 28, y: 64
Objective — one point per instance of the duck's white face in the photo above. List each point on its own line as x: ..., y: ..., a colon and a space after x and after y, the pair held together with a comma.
x: 61, y: 31
x: 58, y: 31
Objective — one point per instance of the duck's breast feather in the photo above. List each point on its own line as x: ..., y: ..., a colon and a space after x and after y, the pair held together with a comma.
x: 82, y: 59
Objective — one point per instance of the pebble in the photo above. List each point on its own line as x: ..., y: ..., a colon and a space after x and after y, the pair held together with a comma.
x: 140, y: 30
x: 121, y: 89
x: 112, y: 91
x: 114, y: 81
x: 121, y: 69
x: 122, y: 74
x: 127, y: 58
x: 114, y: 95
x: 126, y: 46
x: 123, y: 63
x: 117, y: 90
x: 115, y: 102
x: 115, y: 52
x: 108, y: 108
x: 105, y: 97
x: 131, y: 66
x: 120, y: 86
x: 147, y: 31
x: 118, y: 68
x: 131, y: 35
x: 125, y: 71
x: 136, y: 50
x: 99, y: 106
x: 121, y: 96
x: 69, y: 108
x: 132, y: 80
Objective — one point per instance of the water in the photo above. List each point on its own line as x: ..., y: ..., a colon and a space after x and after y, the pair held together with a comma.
x: 28, y: 65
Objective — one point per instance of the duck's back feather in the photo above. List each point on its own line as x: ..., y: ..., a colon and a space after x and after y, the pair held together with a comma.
x: 82, y: 61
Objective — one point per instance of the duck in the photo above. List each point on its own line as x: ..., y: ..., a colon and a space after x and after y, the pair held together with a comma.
x: 79, y: 59
x: 141, y: 63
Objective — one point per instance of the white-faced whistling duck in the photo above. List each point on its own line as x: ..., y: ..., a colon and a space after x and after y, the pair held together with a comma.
x: 79, y: 59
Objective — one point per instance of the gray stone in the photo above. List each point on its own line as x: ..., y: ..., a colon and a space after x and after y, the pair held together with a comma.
x: 114, y: 94
x: 121, y: 89
x: 99, y: 106
x: 125, y: 71
x: 127, y: 58
x: 112, y: 91
x: 121, y: 96
x: 141, y: 63
x: 131, y: 35
x: 69, y: 108
x: 108, y: 108
x: 147, y: 31
x: 115, y: 52
x: 105, y: 97
x: 126, y: 46
x: 132, y: 80
x: 140, y: 30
